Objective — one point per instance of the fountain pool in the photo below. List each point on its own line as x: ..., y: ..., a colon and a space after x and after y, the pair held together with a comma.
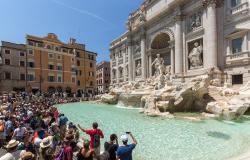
x: 165, y: 139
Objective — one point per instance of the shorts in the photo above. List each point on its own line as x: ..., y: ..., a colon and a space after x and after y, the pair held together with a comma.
x: 97, y: 151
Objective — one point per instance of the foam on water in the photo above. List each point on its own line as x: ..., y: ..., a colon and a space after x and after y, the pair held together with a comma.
x: 165, y: 139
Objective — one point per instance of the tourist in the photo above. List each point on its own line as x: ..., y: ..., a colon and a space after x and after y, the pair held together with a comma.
x: 12, y: 153
x: 95, y: 137
x: 125, y: 152
x: 45, y: 151
x: 62, y: 124
x: 19, y: 132
x: 8, y: 128
x: 112, y: 146
x: 2, y: 137
x: 67, y: 149
x: 85, y: 153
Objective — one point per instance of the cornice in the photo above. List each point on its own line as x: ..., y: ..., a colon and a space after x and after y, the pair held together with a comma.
x: 217, y: 3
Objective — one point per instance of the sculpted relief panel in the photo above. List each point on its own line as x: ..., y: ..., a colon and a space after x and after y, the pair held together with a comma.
x: 195, y: 54
x: 195, y: 21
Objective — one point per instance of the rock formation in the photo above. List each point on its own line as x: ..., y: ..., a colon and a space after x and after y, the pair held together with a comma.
x: 160, y: 96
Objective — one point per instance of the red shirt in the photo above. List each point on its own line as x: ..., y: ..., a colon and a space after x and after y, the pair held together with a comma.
x: 93, y: 132
x: 68, y: 153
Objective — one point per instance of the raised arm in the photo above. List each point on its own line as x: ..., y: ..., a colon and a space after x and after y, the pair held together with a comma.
x: 133, y: 139
x: 81, y: 128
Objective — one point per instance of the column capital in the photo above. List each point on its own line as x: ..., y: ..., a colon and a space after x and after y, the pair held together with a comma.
x: 179, y: 18
x: 217, y: 3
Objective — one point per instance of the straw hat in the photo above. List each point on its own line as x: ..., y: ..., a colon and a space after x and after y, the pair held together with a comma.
x: 46, y: 142
x: 27, y: 156
x: 12, y: 143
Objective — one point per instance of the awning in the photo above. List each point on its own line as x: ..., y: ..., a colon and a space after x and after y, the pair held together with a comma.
x: 245, y: 25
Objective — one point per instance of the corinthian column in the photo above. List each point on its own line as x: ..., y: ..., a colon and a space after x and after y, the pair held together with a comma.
x: 143, y: 56
x: 130, y: 64
x: 178, y: 45
x: 210, y: 52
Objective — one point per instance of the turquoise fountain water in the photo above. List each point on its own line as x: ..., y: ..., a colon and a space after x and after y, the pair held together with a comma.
x: 165, y: 139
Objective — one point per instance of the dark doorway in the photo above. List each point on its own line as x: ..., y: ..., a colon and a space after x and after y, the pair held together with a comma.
x: 237, y: 79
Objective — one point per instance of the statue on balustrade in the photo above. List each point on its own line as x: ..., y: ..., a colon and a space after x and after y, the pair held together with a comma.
x: 195, y: 56
x: 196, y: 21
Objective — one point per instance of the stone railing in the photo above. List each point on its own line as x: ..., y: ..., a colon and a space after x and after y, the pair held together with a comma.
x: 244, y: 6
x: 239, y: 58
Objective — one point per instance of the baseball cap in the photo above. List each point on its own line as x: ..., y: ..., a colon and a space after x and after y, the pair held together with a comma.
x: 124, y: 138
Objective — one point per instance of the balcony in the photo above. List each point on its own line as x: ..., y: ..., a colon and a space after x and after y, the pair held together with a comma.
x: 238, y: 59
x: 241, y: 8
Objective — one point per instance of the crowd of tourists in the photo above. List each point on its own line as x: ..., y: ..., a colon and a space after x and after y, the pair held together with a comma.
x: 31, y: 128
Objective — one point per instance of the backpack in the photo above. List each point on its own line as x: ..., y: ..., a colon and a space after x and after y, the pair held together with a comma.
x: 2, y: 127
x: 96, y: 139
x: 60, y: 155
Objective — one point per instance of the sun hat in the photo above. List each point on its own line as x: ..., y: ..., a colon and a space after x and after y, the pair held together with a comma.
x: 27, y: 156
x: 12, y: 143
x: 46, y: 142
x: 124, y: 138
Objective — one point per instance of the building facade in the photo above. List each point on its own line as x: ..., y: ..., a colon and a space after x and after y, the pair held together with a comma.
x: 13, y: 67
x: 46, y: 64
x: 189, y: 36
x: 103, y: 77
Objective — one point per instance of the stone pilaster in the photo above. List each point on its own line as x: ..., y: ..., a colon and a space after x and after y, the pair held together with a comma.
x: 178, y: 45
x: 143, y: 55
x: 217, y: 3
x: 210, y: 52
x: 130, y: 62
x: 172, y: 58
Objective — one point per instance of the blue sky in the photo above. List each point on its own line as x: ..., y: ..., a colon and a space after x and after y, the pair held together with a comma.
x: 93, y: 22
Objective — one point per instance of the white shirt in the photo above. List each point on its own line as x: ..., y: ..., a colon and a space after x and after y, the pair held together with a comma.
x: 8, y: 156
x: 20, y: 131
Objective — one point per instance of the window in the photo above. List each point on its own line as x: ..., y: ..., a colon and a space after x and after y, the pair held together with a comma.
x: 22, y: 77
x: 30, y: 52
x: 56, y: 48
x: 51, y: 78
x: 73, y: 79
x: 73, y: 59
x: 235, y: 3
x: 59, y: 78
x: 40, y: 44
x: 7, y: 61
x: 91, y: 83
x: 22, y: 63
x: 80, y: 72
x: 237, y: 45
x: 31, y: 43
x: 22, y: 54
x: 59, y: 67
x: 237, y: 79
x: 51, y: 56
x: 77, y: 54
x: 7, y: 51
x: 91, y: 74
x: 59, y: 57
x: 78, y: 63
x: 30, y: 77
x: 90, y: 65
x: 48, y: 47
x: 51, y: 66
x: 78, y: 83
x: 31, y: 64
x: 7, y: 75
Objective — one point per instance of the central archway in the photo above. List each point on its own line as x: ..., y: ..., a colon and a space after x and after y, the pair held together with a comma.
x: 161, y: 41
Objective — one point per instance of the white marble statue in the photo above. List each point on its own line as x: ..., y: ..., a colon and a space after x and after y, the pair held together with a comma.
x: 1, y: 60
x: 194, y: 56
x: 159, y: 66
x: 196, y: 22
x: 138, y: 71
